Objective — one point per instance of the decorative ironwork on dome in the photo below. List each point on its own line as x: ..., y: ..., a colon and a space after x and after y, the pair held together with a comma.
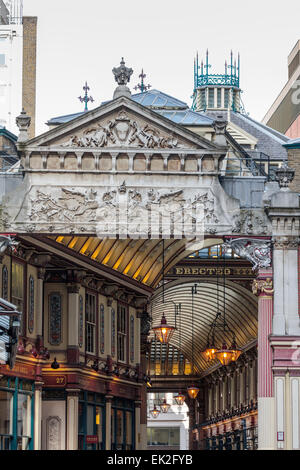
x: 231, y: 77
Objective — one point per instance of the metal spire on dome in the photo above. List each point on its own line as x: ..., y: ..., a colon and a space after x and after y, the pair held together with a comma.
x: 141, y: 86
x: 86, y: 98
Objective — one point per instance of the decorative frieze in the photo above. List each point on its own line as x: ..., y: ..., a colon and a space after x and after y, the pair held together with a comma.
x: 80, y: 322
x: 102, y: 329
x: 113, y: 332
x: 55, y: 318
x: 31, y: 305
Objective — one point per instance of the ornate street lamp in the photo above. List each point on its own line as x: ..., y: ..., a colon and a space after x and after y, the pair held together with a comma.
x: 163, y: 332
x: 179, y: 399
x: 164, y: 406
x: 155, y: 412
x: 193, y: 391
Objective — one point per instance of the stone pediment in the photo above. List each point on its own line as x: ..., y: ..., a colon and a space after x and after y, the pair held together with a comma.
x: 121, y: 123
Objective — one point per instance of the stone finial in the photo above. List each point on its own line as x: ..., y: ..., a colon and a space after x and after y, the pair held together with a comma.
x: 284, y: 175
x: 122, y: 77
x: 23, y: 123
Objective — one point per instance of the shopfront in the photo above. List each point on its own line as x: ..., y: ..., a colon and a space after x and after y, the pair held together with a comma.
x: 92, y: 418
x: 16, y: 413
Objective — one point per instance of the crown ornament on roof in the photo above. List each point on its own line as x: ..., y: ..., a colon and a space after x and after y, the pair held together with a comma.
x: 122, y: 74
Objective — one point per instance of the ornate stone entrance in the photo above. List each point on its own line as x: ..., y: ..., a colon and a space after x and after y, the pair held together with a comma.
x: 102, y: 191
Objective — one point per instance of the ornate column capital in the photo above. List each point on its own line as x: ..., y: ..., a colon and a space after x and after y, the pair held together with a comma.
x: 286, y: 243
x: 73, y: 288
x: 41, y: 272
x: 263, y: 286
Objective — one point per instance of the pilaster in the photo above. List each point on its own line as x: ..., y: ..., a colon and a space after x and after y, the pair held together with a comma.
x: 72, y: 418
x: 73, y: 321
x: 263, y: 287
x: 108, y: 400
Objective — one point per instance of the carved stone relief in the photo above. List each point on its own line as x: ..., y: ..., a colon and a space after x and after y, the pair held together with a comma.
x: 251, y: 222
x: 53, y: 427
x: 122, y: 131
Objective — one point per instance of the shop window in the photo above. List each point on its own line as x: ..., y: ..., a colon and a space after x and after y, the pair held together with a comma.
x: 122, y: 425
x: 2, y: 60
x: 90, y: 323
x: 16, y: 414
x: 121, y: 332
x: 17, y: 289
x: 91, y: 422
x: 163, y: 437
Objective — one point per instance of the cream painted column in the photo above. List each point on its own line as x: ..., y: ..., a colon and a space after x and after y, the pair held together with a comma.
x: 137, y: 425
x: 285, y: 264
x: 73, y: 322
x: 72, y: 419
x: 38, y: 415
x: 108, y: 399
x: 295, y: 421
x: 263, y: 287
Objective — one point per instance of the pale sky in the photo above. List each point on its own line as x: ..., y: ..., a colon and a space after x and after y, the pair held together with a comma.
x: 82, y: 41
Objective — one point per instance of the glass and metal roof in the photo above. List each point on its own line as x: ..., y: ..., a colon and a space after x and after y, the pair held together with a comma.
x: 165, y: 105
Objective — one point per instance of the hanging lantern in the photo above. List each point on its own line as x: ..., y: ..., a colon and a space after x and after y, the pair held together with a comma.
x: 193, y: 391
x: 179, y: 399
x: 236, y: 351
x: 163, y: 332
x: 155, y: 412
x: 210, y: 352
x: 225, y: 355
x: 164, y: 407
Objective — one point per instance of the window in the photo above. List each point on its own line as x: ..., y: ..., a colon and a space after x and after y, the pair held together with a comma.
x: 17, y: 289
x: 226, y: 98
x: 90, y: 323
x: 2, y: 60
x: 121, y: 330
x: 219, y: 103
x: 211, y: 97
x: 163, y: 437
